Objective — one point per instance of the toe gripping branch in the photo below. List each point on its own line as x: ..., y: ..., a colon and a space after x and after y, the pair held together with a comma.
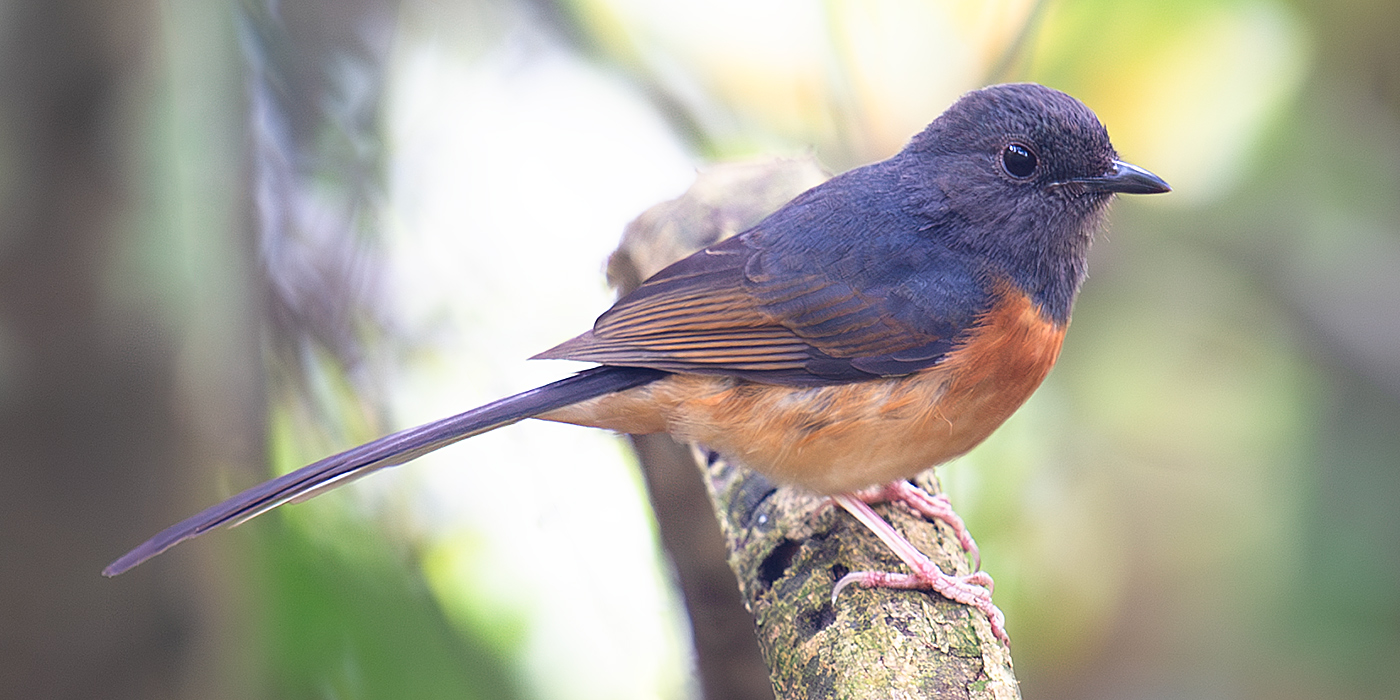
x: 974, y: 589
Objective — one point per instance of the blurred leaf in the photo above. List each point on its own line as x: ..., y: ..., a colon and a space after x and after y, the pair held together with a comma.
x: 356, y: 628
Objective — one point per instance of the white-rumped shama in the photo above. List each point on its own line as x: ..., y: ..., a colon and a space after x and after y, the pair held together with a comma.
x: 881, y: 323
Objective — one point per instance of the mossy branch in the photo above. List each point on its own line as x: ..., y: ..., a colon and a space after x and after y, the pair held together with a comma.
x: 788, y: 548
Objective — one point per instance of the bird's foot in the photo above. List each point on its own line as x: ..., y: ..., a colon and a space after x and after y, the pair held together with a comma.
x: 930, y: 506
x: 974, y: 589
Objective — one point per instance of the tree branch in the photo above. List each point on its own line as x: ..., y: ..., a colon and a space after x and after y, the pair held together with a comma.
x: 788, y: 548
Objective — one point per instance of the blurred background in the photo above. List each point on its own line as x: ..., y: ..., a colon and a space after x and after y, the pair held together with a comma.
x: 237, y: 236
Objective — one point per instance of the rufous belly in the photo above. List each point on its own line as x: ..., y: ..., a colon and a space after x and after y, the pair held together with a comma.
x: 841, y: 438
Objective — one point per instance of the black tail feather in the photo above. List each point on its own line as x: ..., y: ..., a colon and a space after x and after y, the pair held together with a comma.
x: 388, y: 451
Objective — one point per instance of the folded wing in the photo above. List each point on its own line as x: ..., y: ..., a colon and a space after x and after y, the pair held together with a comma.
x: 730, y: 309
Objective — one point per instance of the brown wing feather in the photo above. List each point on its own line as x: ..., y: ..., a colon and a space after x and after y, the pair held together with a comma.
x: 718, y: 311
x: 672, y: 332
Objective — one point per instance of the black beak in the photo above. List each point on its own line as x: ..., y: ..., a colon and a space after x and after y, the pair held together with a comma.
x: 1125, y: 178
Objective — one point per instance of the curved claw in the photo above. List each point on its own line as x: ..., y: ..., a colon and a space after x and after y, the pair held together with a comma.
x: 848, y: 579
x: 968, y: 590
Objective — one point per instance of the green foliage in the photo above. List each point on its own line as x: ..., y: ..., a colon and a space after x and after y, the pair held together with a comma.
x: 355, y: 628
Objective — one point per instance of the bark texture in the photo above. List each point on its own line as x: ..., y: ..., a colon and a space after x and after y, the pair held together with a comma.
x: 788, y: 548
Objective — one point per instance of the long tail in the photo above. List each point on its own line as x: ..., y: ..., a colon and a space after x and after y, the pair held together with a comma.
x: 388, y: 451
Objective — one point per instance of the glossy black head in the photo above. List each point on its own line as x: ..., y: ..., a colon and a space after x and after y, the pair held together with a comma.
x: 1024, y: 174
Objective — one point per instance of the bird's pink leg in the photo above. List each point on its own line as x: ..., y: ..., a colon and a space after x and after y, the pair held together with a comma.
x: 932, y: 507
x: 974, y: 589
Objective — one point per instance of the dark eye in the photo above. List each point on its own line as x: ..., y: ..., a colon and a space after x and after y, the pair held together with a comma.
x: 1018, y: 160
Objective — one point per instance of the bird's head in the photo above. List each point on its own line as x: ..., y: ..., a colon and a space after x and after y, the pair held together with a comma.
x: 1023, y: 174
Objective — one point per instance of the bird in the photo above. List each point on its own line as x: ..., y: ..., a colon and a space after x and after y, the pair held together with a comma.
x: 879, y: 324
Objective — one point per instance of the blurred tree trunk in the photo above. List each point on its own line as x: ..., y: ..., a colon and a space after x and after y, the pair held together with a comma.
x: 96, y: 443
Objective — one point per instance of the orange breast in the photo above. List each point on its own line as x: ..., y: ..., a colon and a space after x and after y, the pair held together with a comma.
x: 836, y: 439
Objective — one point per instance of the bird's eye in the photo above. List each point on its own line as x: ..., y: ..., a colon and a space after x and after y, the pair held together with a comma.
x: 1018, y: 160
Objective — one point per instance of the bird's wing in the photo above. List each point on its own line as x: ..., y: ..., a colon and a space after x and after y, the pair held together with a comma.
x: 739, y: 308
